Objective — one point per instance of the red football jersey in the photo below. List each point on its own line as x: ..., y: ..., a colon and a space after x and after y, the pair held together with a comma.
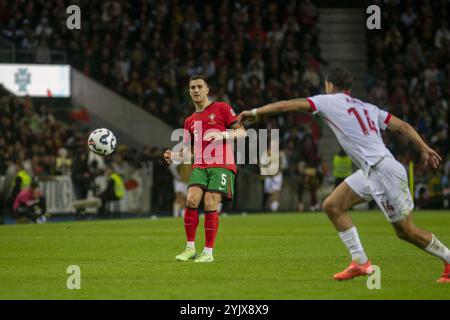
x: 217, y: 116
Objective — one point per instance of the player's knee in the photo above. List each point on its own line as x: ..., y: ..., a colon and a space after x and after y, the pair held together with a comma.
x: 192, y: 201
x: 211, y: 202
x: 330, y: 206
x: 210, y: 205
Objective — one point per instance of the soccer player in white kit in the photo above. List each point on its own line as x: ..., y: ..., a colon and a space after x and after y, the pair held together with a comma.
x: 357, y: 126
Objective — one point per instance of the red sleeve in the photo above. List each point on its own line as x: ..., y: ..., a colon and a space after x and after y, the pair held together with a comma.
x: 230, y: 116
x: 313, y: 106
x: 388, y: 118
x: 187, y: 137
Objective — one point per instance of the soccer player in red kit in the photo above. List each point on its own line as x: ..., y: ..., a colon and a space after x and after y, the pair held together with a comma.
x: 214, y: 168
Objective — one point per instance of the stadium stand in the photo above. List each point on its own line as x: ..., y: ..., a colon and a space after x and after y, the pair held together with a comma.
x: 146, y: 55
x: 46, y: 146
x: 253, y: 54
x: 410, y: 76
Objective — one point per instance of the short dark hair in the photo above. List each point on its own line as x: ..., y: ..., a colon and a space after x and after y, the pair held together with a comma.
x: 341, y: 78
x: 198, y: 77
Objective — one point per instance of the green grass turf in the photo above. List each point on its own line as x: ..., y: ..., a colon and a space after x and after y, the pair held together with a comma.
x: 276, y: 256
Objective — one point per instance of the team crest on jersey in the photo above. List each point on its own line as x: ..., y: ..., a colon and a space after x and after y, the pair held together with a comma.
x: 211, y: 117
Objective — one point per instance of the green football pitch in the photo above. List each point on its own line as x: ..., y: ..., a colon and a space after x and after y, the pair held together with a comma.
x: 260, y: 256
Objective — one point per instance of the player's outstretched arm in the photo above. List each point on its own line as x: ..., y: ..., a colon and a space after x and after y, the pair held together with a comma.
x: 430, y: 156
x: 276, y: 107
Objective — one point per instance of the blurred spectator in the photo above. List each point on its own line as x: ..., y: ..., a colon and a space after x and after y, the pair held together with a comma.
x: 342, y: 167
x: 442, y: 36
x: 63, y: 162
x: 81, y: 175
x: 312, y: 76
x: 181, y: 174
x: 43, y: 54
x: 312, y: 172
x: 21, y: 181
x: 30, y: 203
x: 115, y: 190
x: 271, y: 168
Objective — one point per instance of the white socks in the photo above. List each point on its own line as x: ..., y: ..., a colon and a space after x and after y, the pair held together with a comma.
x: 208, y: 250
x: 436, y: 248
x: 175, y: 209
x: 190, y: 245
x: 351, y: 240
x: 274, y: 206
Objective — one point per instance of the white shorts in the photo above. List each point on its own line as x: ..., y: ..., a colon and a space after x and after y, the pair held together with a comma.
x: 387, y: 184
x: 273, y: 183
x: 180, y: 187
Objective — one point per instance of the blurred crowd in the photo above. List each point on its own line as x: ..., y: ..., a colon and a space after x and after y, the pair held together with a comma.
x: 146, y: 50
x: 410, y: 76
x: 36, y: 144
x: 253, y: 53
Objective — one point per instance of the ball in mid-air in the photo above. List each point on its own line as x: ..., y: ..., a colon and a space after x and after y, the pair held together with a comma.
x: 102, y: 142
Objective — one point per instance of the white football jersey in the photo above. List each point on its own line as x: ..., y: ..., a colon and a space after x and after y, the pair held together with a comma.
x: 356, y: 125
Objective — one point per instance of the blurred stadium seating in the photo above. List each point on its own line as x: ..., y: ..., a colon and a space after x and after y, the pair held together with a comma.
x: 410, y: 76
x: 254, y: 53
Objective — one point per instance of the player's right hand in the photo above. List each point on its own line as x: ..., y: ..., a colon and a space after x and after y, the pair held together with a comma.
x: 168, y: 156
x: 247, y: 117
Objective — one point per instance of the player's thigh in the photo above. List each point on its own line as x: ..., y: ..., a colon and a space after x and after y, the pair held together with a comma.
x: 389, y: 186
x: 221, y: 180
x: 348, y: 194
x: 199, y: 178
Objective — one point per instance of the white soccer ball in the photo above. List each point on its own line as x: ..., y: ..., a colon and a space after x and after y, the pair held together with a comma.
x: 102, y: 142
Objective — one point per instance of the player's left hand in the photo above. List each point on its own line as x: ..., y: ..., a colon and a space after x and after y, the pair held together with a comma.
x: 214, y: 136
x: 431, y: 157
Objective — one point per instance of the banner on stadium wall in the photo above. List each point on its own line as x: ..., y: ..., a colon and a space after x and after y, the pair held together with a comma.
x: 36, y: 80
x: 59, y: 195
